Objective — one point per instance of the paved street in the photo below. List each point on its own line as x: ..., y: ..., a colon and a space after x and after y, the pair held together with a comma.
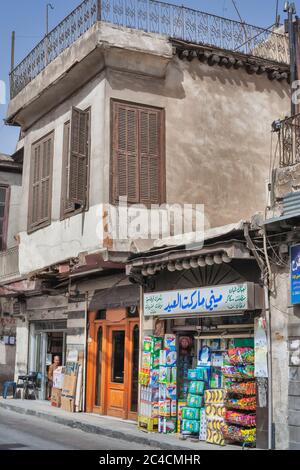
x: 20, y: 432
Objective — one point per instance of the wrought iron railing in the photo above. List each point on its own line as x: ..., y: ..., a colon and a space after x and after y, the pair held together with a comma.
x: 152, y: 16
x: 289, y: 141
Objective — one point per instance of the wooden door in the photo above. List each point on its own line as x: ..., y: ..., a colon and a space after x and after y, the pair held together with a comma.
x: 116, y: 391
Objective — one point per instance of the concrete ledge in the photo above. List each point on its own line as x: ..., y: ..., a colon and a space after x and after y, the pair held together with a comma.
x: 106, y: 426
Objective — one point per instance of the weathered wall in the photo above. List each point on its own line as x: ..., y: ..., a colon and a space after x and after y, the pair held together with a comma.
x: 217, y: 133
x: 65, y: 239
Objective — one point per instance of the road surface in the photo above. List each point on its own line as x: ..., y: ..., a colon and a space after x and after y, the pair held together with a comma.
x: 22, y: 432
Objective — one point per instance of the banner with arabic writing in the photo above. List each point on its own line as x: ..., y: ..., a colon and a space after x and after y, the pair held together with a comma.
x: 232, y: 297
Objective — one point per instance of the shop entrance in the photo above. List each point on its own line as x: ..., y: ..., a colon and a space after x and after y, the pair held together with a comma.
x: 116, y: 371
x: 47, y: 340
x: 113, y: 361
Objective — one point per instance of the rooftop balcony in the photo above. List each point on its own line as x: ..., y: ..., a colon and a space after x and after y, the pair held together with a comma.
x: 175, y: 22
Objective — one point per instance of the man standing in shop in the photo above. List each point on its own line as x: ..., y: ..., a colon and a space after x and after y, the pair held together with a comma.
x: 52, y: 368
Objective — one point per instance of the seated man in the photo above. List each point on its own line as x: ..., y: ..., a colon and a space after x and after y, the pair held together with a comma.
x: 55, y: 365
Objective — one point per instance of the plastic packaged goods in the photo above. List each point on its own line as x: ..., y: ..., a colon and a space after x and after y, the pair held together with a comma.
x: 241, y: 388
x: 194, y: 401
x: 215, y: 410
x: 190, y: 425
x: 196, y: 387
x: 235, y: 433
x: 214, y: 396
x: 200, y: 373
x: 215, y: 437
x: 152, y: 344
x: 242, y: 372
x: 167, y: 425
x: 240, y: 356
x: 171, y: 358
x: 170, y: 341
x: 191, y: 413
x: 202, y: 432
x: 244, y: 419
x: 248, y: 403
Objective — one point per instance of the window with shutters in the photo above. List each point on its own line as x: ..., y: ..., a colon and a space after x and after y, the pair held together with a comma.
x: 40, y: 191
x: 137, y: 167
x: 4, y: 206
x: 75, y: 174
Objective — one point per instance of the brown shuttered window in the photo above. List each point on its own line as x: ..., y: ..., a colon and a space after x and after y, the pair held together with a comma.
x: 78, y: 166
x: 74, y: 195
x: 137, y: 154
x: 40, y: 192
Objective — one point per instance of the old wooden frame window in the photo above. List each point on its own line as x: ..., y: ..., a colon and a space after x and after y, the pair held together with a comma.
x: 4, y: 212
x: 40, y: 190
x: 137, y: 166
x: 75, y: 172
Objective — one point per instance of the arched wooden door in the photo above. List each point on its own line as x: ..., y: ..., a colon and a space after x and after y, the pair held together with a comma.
x: 112, y: 369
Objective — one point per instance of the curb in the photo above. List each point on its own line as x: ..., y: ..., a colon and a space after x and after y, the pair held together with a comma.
x: 92, y: 429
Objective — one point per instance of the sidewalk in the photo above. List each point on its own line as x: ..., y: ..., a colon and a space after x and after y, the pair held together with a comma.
x: 108, y: 426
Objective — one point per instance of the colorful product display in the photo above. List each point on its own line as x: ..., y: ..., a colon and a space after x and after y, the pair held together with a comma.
x: 240, y: 401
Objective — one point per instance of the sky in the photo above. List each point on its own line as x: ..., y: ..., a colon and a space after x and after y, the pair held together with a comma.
x: 28, y: 19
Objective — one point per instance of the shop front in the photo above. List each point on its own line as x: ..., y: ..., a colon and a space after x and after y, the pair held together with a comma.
x: 204, y: 363
x: 47, y: 340
x: 113, y: 354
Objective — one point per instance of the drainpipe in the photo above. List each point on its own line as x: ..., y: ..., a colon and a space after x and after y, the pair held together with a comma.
x: 261, y: 265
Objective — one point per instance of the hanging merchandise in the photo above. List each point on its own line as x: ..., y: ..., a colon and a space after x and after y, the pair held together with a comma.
x: 240, y: 400
x: 167, y: 420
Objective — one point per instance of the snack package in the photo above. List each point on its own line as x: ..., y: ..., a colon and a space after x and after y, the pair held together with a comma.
x: 214, y: 396
x: 196, y: 387
x: 191, y: 413
x: 194, y: 401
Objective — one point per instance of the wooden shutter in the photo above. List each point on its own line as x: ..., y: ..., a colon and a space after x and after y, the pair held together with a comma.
x: 41, y: 182
x: 137, y: 153
x: 4, y: 210
x: 125, y: 153
x: 77, y: 185
x: 150, y: 156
